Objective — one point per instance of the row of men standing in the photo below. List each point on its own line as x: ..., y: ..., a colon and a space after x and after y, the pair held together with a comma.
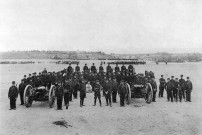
x: 176, y: 89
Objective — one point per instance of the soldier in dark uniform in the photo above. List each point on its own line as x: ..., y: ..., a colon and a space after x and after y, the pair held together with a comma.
x: 71, y: 89
x: 70, y: 69
x: 169, y: 89
x: 123, y: 68
x: 66, y: 93
x: 44, y: 71
x: 173, y: 82
x: 188, y: 89
x: 108, y: 68
x: 93, y: 68
x: 82, y: 90
x: 114, y: 90
x: 154, y: 87
x: 122, y: 92
x: 118, y: 77
x: 25, y: 80
x: 117, y: 69
x: 130, y: 68
x: 85, y: 68
x: 97, y: 94
x: 176, y: 89
x: 77, y: 68
x: 13, y: 95
x: 29, y: 78
x: 59, y: 94
x: 182, y: 87
x: 21, y: 91
x: 107, y: 91
x: 162, y: 82
x: 101, y: 69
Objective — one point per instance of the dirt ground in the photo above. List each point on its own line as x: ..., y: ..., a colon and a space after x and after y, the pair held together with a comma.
x: 138, y: 118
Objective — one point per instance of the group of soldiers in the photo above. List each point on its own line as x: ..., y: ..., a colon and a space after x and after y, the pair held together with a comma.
x: 177, y: 89
x: 69, y: 81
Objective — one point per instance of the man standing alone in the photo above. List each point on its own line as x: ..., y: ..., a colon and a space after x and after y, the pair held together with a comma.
x: 189, y: 88
x: 122, y: 92
x: 13, y: 95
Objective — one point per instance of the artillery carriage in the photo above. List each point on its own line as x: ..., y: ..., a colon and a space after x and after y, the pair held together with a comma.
x: 41, y: 93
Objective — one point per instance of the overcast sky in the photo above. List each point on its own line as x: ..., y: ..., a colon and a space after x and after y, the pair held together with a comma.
x: 112, y: 26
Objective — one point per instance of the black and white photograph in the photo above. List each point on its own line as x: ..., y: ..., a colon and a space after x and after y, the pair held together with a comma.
x: 100, y: 67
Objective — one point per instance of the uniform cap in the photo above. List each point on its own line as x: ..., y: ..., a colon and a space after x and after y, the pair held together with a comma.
x: 161, y: 75
x: 187, y: 77
x: 13, y: 82
x: 181, y: 75
x: 24, y: 75
x: 172, y: 76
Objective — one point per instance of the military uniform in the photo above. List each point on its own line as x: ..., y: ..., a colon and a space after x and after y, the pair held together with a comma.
x: 93, y: 69
x: 66, y: 93
x: 161, y: 86
x: 97, y: 94
x: 82, y: 89
x: 77, y: 68
x: 59, y: 94
x: 12, y: 95
x: 175, y: 91
x: 114, y: 90
x: 188, y: 89
x: 101, y: 69
x: 182, y: 87
x: 107, y: 91
x: 21, y: 92
x: 169, y: 89
x: 122, y: 92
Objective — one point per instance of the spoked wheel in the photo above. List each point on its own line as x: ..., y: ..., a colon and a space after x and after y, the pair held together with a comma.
x: 128, y: 98
x: 52, y: 96
x: 27, y: 93
x: 149, y: 94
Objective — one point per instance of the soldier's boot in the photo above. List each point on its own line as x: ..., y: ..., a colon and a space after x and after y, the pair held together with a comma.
x: 100, y: 104
x: 80, y: 103
x: 110, y: 104
x: 94, y: 103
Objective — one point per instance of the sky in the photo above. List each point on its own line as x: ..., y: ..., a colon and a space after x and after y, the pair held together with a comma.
x: 111, y: 26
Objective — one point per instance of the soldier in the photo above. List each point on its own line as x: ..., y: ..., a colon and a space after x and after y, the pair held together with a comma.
x: 117, y: 69
x: 108, y: 69
x: 93, y: 68
x: 154, y: 87
x: 101, y: 69
x: 189, y: 88
x: 176, y: 89
x: 59, y: 94
x: 107, y: 91
x: 77, y: 68
x: 70, y: 69
x: 85, y: 68
x: 44, y: 71
x: 29, y: 78
x: 162, y: 82
x: 25, y: 80
x: 123, y: 68
x: 13, y: 95
x: 182, y: 87
x: 66, y: 93
x: 122, y: 92
x: 82, y: 89
x: 21, y: 91
x: 114, y: 90
x: 169, y: 89
x: 97, y: 94
x: 130, y: 68
x: 72, y: 85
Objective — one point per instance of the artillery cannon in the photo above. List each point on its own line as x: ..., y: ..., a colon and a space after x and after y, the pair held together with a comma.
x: 39, y: 94
x: 141, y: 88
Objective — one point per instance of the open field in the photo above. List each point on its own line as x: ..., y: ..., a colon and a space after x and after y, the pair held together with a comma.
x: 138, y: 118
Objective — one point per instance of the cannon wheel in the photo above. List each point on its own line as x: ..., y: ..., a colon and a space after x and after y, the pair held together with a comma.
x: 51, y: 96
x: 129, y: 94
x: 27, y: 99
x: 149, y: 94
